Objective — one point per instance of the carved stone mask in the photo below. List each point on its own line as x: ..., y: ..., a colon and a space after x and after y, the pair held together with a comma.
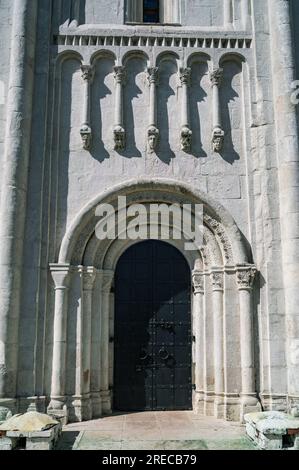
x: 217, y: 140
x: 186, y: 139
x: 119, y: 138
x: 153, y: 135
x: 85, y: 132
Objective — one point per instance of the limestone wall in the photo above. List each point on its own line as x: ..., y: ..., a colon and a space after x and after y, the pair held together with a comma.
x: 5, y: 26
x: 63, y: 176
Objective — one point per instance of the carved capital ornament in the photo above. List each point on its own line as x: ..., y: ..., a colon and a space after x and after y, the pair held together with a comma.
x: 198, y: 282
x: 246, y: 276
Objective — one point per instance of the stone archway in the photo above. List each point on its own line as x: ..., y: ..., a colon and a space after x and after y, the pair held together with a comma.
x: 222, y: 308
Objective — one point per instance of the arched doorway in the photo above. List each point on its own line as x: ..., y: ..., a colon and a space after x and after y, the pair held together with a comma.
x: 152, y: 355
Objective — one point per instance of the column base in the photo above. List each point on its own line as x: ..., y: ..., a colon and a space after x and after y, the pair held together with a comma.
x: 272, y: 401
x: 58, y: 409
x: 96, y: 405
x: 232, y: 407
x: 249, y: 404
x: 106, y: 402
x: 81, y: 408
x: 198, y: 402
x: 219, y: 406
x: 209, y: 398
x: 293, y: 406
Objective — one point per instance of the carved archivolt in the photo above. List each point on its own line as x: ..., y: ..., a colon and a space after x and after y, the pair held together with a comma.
x: 215, y: 242
x: 222, y: 236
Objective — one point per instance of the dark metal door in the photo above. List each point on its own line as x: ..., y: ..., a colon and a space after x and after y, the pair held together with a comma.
x: 152, y: 356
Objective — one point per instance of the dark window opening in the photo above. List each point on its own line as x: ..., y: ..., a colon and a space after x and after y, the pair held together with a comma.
x: 151, y: 12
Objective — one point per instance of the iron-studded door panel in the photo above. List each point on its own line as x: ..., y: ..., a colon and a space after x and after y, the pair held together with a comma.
x: 152, y: 363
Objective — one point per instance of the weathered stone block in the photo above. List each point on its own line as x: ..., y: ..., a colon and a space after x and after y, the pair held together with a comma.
x: 273, y: 430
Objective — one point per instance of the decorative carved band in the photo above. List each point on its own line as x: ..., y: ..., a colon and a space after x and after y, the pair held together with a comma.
x: 153, y: 41
x: 220, y: 232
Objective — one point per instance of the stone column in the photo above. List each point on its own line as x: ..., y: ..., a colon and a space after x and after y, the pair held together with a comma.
x: 96, y: 347
x: 186, y: 133
x: 217, y: 283
x: 198, y: 319
x: 228, y: 14
x: 75, y: 13
x: 287, y: 146
x: 107, y: 278
x: 246, y: 14
x: 245, y: 280
x: 152, y: 132
x: 87, y: 278
x: 134, y: 11
x: 170, y: 11
x: 85, y: 131
x: 119, y: 131
x: 14, y: 178
x: 218, y: 133
x: 61, y: 274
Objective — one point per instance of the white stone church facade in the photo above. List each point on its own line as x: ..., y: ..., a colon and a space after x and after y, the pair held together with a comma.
x: 174, y: 102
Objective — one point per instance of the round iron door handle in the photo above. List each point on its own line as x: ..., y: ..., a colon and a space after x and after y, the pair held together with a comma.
x: 163, y: 354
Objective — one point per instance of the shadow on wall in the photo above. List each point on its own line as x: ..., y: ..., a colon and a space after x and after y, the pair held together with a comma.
x: 69, y: 138
x: 102, y: 107
x: 72, y: 12
x: 165, y: 92
x: 231, y: 101
x: 135, y: 109
x: 198, y: 97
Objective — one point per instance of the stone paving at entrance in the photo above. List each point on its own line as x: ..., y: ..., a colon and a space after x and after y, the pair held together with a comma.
x: 163, y: 430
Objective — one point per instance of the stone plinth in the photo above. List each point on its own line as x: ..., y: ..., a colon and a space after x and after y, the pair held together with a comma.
x: 273, y: 430
x: 32, y: 430
x: 39, y: 440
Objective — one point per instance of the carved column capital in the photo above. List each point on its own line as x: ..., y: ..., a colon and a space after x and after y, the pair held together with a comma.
x: 185, y: 75
x: 61, y: 275
x: 88, y: 275
x: 245, y: 277
x: 153, y: 75
x: 87, y: 72
x: 217, y: 280
x: 198, y: 281
x: 120, y: 74
x: 216, y: 77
